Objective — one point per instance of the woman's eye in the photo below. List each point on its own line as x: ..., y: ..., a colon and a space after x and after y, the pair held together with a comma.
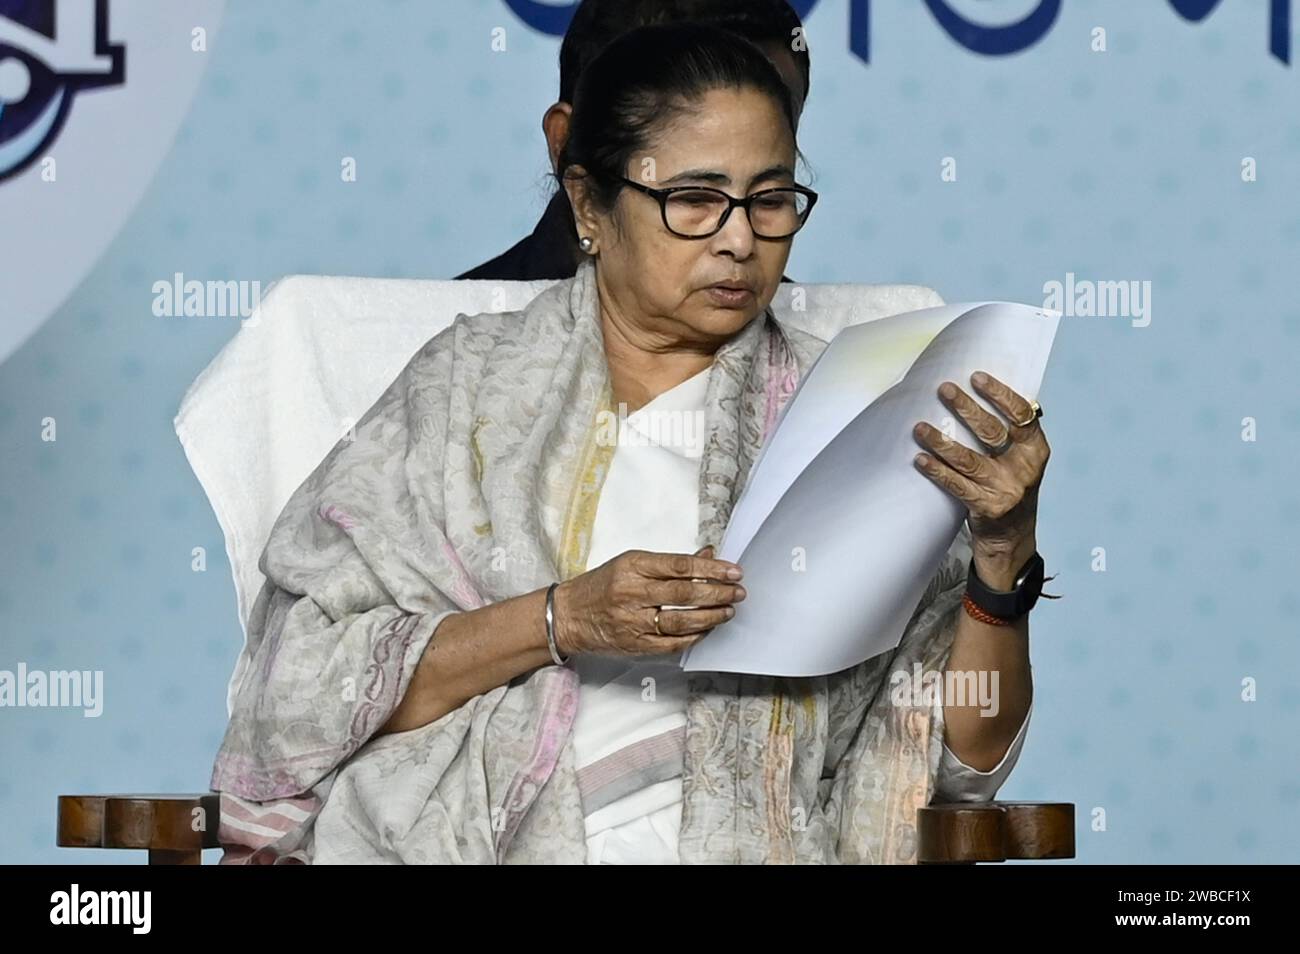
x: 697, y: 199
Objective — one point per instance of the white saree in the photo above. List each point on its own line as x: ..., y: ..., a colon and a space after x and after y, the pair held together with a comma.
x: 632, y: 713
x: 477, y: 477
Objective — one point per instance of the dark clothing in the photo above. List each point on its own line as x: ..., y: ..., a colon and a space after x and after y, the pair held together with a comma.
x: 549, y: 252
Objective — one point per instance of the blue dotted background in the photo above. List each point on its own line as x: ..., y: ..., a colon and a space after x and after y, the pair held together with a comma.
x: 1115, y: 166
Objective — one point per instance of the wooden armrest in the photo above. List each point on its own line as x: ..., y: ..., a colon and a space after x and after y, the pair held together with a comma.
x: 173, y: 828
x: 165, y: 825
x: 966, y: 832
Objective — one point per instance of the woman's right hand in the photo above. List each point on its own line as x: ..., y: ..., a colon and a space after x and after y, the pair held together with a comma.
x: 611, y: 610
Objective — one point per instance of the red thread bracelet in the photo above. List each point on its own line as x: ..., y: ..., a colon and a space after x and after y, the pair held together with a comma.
x: 974, y: 610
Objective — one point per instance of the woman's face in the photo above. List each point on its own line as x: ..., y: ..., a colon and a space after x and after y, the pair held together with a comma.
x: 735, y: 140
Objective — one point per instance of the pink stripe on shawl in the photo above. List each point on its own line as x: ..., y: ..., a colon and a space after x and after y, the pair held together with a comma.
x: 782, y: 379
x: 657, y: 753
x: 559, y: 708
x: 244, y: 844
x: 463, y: 590
x: 337, y: 516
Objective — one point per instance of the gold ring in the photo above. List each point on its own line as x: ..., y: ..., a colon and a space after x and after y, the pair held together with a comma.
x: 1035, y: 412
x: 657, y: 629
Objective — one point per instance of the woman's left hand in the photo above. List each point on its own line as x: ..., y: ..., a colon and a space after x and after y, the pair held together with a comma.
x: 1000, y: 492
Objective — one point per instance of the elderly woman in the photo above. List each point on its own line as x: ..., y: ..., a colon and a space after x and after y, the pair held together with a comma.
x: 466, y: 649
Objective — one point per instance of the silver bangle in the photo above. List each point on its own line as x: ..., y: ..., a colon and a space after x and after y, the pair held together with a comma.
x: 550, y: 626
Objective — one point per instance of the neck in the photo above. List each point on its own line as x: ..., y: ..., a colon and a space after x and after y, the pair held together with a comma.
x: 644, y: 364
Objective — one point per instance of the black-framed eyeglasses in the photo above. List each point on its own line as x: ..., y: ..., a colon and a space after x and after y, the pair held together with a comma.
x: 697, y: 211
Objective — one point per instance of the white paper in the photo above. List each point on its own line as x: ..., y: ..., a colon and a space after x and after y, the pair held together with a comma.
x: 837, y: 530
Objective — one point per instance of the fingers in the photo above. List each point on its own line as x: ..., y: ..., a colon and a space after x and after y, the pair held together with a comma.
x: 692, y: 593
x: 958, y: 456
x: 653, y: 645
x: 986, y: 426
x: 679, y: 566
x: 1011, y: 404
x: 959, y: 486
x: 677, y: 623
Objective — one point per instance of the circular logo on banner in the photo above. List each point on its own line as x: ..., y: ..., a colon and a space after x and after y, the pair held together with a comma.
x: 79, y: 164
x: 49, y: 51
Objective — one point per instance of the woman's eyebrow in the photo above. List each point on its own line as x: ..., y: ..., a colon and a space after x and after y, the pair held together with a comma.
x: 705, y: 175
x: 773, y: 172
x: 721, y: 178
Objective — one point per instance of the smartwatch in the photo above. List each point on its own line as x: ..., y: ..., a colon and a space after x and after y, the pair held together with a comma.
x: 1013, y: 603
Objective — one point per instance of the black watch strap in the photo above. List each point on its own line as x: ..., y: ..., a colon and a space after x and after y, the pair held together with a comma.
x: 1013, y: 603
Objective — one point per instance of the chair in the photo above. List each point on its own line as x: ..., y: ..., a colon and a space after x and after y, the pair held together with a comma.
x: 962, y: 833
x: 303, y: 368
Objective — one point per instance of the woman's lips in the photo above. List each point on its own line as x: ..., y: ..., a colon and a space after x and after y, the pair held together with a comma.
x: 730, y: 297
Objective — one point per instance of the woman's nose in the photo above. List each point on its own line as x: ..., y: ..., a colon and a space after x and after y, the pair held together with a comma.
x: 737, y: 235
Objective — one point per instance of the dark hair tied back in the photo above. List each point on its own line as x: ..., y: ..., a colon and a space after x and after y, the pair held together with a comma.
x: 643, y: 80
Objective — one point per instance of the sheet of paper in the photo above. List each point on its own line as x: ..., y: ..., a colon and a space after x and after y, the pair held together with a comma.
x: 838, y: 532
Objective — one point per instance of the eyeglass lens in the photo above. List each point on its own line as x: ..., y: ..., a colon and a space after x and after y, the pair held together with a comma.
x: 773, y: 214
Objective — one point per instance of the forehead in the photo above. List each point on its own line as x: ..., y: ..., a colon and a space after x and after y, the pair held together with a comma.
x: 734, y: 131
